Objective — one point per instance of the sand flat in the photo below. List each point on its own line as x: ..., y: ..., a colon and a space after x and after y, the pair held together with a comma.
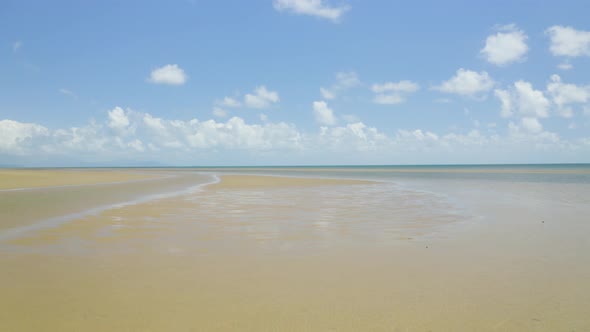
x: 93, y: 189
x: 258, y: 181
x: 39, y: 178
x: 212, y: 261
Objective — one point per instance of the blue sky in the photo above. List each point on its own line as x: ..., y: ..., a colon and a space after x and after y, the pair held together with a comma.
x: 293, y: 82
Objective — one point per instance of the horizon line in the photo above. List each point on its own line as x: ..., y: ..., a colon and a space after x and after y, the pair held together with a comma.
x: 298, y: 166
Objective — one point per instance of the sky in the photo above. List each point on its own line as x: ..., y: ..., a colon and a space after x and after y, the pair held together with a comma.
x: 293, y: 82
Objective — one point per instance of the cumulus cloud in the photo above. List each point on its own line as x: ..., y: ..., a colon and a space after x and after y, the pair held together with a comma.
x: 219, y: 112
x: 344, y: 80
x: 523, y: 99
x: 317, y: 8
x: 118, y: 120
x: 564, y: 95
x: 417, y: 135
x: 229, y: 102
x: 565, y: 66
x: 261, y: 98
x: 467, y: 83
x: 530, y: 102
x: 14, y: 135
x: 158, y: 134
x: 567, y: 41
x: 126, y: 134
x: 393, y: 92
x: 168, y: 74
x: 323, y: 114
x: 351, y: 138
x: 506, y: 101
x: 350, y: 118
x: 237, y: 134
x: 559, y: 98
x: 532, y: 125
x: 327, y: 94
x: 507, y: 46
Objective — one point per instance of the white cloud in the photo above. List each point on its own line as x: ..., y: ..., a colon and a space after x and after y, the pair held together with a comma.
x: 398, y: 87
x: 327, y: 94
x: 563, y: 95
x: 506, y: 101
x: 229, y: 102
x: 14, y: 135
x: 523, y: 99
x: 506, y: 46
x: 67, y: 92
x: 567, y: 41
x: 136, y: 145
x: 354, y: 137
x: 344, y: 80
x: 532, y: 125
x: 168, y: 74
x: 237, y: 134
x: 262, y: 98
x: 233, y: 134
x: 183, y: 142
x: 118, y: 120
x: 317, y: 8
x: 16, y: 46
x: 559, y: 98
x: 388, y: 99
x: 323, y: 114
x: 530, y: 102
x: 393, y: 93
x: 219, y: 112
x: 418, y: 135
x: 565, y: 66
x: 350, y: 118
x: 156, y: 125
x: 467, y: 83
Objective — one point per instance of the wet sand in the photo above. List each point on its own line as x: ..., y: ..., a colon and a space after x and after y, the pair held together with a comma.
x: 65, y: 192
x: 197, y: 262
x: 254, y: 182
x: 11, y: 179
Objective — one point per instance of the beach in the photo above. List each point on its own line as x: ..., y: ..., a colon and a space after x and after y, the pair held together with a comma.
x: 296, y: 249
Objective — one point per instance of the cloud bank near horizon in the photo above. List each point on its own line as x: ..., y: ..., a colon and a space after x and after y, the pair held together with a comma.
x: 126, y: 135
